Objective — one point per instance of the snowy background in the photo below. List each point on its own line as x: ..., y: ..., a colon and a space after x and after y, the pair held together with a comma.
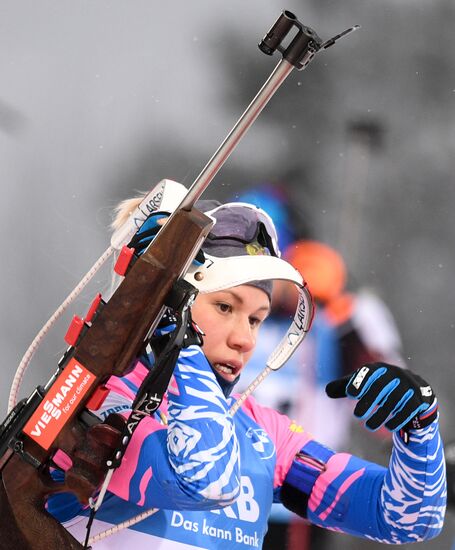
x: 101, y: 98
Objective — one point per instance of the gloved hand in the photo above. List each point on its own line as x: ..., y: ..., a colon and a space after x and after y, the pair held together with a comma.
x: 387, y: 395
x: 149, y: 230
x: 89, y: 458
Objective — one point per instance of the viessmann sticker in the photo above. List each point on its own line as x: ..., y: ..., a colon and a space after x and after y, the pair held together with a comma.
x: 59, y: 403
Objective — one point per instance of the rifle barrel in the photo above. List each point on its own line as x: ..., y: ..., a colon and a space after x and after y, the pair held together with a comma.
x: 223, y: 152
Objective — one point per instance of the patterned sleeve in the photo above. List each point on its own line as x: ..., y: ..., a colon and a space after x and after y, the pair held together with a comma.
x: 193, y: 462
x: 401, y: 504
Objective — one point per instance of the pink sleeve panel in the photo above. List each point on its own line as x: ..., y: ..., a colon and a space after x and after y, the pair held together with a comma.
x: 287, y: 436
x: 121, y: 479
x: 129, y: 384
x: 323, y: 490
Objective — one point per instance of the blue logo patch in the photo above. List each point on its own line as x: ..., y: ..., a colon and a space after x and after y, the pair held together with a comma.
x: 261, y: 443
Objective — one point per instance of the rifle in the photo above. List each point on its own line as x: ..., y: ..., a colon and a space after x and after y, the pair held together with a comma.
x: 57, y: 415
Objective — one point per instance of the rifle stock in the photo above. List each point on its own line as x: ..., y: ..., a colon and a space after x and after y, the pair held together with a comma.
x: 50, y: 418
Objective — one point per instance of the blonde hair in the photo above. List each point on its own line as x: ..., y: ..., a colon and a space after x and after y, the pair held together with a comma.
x: 124, y: 209
x: 122, y: 212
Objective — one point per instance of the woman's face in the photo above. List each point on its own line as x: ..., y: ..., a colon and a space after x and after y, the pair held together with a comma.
x: 230, y: 320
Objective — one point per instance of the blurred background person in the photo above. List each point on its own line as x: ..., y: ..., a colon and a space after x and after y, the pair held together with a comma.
x: 349, y: 329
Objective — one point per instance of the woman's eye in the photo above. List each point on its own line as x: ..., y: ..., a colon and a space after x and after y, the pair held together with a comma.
x: 255, y: 322
x: 224, y: 308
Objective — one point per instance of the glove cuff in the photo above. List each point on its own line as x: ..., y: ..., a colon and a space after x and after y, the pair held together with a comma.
x: 423, y: 420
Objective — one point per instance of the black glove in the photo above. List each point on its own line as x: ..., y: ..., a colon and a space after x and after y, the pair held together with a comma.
x: 387, y: 395
x: 90, y: 457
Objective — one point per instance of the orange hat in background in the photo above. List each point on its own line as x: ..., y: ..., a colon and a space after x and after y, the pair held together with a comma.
x: 321, y: 266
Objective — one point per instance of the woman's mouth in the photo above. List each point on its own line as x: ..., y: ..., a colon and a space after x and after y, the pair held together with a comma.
x: 226, y: 370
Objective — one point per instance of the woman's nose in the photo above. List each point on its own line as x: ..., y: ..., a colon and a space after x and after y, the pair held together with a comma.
x: 241, y: 337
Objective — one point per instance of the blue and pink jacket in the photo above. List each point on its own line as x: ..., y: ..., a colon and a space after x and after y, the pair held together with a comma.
x: 213, y: 477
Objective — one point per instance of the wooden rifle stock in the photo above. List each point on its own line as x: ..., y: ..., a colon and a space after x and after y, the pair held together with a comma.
x: 109, y: 347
